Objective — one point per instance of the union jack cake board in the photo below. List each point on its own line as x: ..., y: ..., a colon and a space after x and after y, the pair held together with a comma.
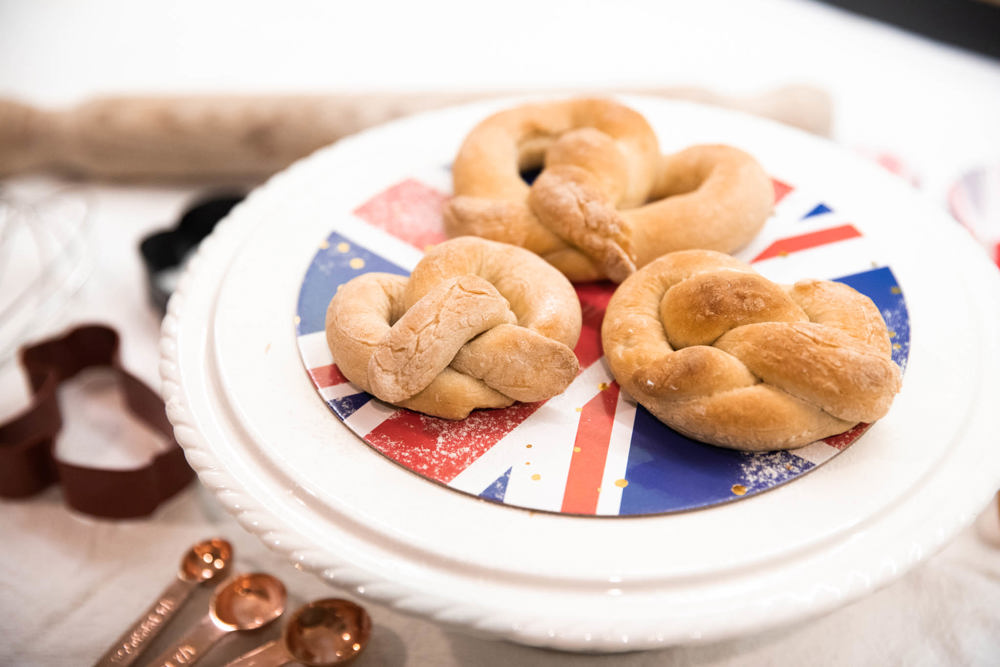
x: 590, y: 450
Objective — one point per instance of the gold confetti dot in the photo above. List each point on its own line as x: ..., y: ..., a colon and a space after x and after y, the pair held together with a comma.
x: 783, y: 253
x: 895, y: 289
x: 529, y: 445
x: 536, y: 477
x: 621, y: 483
x: 576, y: 449
x: 343, y: 247
x: 324, y: 245
x: 892, y: 334
x: 897, y: 346
x: 527, y: 463
x: 357, y: 263
x: 297, y: 319
x: 602, y: 386
x: 579, y: 409
x: 739, y: 489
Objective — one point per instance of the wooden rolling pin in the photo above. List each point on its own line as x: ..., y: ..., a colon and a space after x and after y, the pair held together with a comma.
x: 212, y: 138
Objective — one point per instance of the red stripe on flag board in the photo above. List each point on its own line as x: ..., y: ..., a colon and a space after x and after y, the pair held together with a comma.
x: 594, y: 299
x: 442, y: 448
x: 792, y: 244
x: 327, y: 376
x: 842, y: 440
x: 780, y: 189
x: 409, y: 210
x: 586, y: 467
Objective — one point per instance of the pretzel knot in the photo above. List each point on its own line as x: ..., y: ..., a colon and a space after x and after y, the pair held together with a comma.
x: 725, y: 356
x: 478, y: 324
x: 606, y: 200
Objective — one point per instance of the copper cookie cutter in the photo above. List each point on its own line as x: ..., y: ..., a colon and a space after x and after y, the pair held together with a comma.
x: 28, y: 463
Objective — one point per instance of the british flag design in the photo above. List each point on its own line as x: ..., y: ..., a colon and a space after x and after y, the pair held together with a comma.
x: 591, y: 450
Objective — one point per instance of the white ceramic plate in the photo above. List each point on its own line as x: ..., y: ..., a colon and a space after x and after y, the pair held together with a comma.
x: 254, y: 427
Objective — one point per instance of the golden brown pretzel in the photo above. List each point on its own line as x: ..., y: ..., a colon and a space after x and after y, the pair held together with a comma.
x: 723, y: 355
x: 606, y: 201
x: 477, y: 324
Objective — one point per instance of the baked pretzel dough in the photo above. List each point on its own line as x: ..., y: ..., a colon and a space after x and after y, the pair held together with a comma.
x: 725, y: 356
x: 477, y: 324
x: 606, y: 201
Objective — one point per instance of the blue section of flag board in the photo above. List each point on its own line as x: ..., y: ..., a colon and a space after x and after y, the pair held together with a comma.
x: 667, y: 471
x: 820, y: 209
x: 340, y: 261
x: 881, y: 287
x: 345, y: 406
x: 498, y: 488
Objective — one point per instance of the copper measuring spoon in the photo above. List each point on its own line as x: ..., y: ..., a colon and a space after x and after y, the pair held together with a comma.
x: 323, y: 633
x: 206, y: 561
x: 246, y: 602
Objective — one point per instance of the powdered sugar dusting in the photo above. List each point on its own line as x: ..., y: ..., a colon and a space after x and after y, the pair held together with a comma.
x: 763, y: 470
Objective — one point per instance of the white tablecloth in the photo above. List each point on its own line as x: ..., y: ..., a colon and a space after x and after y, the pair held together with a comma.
x: 69, y: 584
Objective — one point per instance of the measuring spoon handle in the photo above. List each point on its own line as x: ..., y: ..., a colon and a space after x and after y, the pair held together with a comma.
x: 134, y: 641
x: 271, y: 654
x: 191, y: 648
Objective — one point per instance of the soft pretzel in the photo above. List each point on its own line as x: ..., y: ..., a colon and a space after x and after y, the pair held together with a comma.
x: 478, y: 324
x: 606, y: 201
x: 725, y: 356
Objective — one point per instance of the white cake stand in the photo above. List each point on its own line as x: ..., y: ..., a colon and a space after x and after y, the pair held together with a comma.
x: 254, y: 428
